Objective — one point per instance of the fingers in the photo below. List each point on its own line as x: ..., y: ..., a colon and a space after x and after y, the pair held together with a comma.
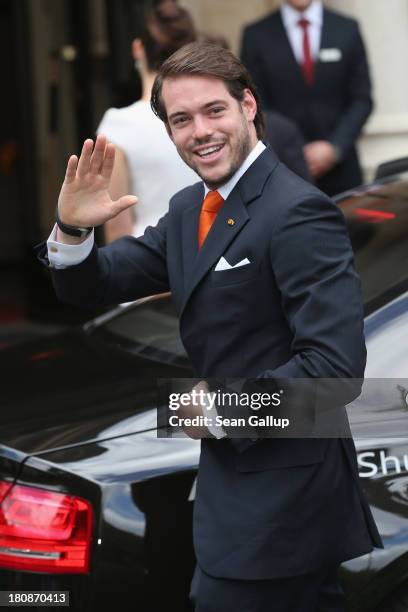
x: 85, y: 158
x: 97, y: 157
x: 108, y: 161
x: 92, y: 159
x: 123, y: 203
x: 71, y: 169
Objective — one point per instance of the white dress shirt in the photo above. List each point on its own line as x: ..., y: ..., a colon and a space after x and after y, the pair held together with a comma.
x: 63, y: 255
x: 226, y: 189
x: 290, y: 18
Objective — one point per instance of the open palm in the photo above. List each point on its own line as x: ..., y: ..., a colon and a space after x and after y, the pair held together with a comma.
x: 84, y: 199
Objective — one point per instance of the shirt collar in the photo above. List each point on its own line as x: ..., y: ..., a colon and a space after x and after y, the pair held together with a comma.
x: 314, y: 14
x: 226, y: 189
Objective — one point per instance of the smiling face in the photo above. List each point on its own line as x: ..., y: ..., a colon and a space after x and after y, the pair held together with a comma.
x: 213, y: 132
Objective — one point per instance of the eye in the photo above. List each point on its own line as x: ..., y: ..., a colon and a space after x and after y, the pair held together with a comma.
x: 179, y: 120
x: 216, y: 110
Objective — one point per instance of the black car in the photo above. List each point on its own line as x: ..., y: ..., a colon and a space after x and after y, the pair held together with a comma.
x: 93, y: 502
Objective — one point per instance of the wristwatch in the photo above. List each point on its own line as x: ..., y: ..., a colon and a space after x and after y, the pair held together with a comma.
x: 72, y: 230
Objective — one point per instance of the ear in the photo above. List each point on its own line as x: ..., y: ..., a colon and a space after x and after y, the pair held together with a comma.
x: 138, y: 51
x: 249, y: 106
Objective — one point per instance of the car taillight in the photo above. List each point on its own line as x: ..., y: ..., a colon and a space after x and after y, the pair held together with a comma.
x: 44, y: 531
x: 374, y: 216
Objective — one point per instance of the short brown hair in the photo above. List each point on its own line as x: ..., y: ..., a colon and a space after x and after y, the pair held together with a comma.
x: 205, y: 58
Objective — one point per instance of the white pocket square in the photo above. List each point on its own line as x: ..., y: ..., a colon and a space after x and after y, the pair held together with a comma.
x: 330, y: 55
x: 224, y: 265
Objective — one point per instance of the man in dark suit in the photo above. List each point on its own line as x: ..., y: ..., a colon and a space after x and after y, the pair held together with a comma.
x: 309, y: 63
x: 261, y: 273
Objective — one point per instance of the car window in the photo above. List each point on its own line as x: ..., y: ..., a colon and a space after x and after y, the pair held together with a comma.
x: 149, y: 328
x: 387, y: 340
x: 377, y: 220
x: 380, y: 412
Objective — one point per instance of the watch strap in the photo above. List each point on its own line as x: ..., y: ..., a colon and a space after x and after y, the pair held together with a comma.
x: 72, y: 230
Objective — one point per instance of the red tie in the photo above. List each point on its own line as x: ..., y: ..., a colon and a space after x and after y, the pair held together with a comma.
x: 307, y: 66
x: 209, y: 211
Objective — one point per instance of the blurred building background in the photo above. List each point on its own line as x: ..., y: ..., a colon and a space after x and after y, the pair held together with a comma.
x: 65, y: 61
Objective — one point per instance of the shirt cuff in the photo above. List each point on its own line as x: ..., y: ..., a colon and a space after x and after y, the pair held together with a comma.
x: 62, y: 255
x: 214, y: 429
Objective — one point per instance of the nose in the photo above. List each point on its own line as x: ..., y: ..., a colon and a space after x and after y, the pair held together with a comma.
x: 202, y: 128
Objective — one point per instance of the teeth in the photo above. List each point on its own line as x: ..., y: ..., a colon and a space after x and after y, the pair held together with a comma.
x: 209, y: 150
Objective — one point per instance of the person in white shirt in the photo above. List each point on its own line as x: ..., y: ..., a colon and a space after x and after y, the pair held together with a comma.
x: 146, y: 162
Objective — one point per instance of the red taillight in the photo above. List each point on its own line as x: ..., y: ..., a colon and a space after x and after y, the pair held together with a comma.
x: 374, y: 216
x: 43, y: 531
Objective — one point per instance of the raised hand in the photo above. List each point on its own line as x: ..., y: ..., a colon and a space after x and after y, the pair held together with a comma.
x: 84, y: 199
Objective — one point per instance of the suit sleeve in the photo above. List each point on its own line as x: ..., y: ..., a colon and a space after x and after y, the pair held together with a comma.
x: 360, y: 102
x: 125, y: 270
x: 312, y: 260
x: 311, y: 257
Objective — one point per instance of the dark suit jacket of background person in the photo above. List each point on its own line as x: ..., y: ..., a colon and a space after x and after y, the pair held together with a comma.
x: 335, y: 107
x: 268, y: 508
x: 286, y: 140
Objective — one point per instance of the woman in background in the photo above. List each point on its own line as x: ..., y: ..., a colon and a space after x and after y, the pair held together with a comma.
x: 146, y: 161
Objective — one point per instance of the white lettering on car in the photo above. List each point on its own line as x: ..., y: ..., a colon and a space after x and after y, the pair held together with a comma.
x: 381, y: 464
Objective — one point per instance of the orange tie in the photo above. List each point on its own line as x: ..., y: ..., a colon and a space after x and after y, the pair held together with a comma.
x: 209, y: 211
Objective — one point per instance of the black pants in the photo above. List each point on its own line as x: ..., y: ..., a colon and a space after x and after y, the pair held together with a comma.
x: 309, y: 593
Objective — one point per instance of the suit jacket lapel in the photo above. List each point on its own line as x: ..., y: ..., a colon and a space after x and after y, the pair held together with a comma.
x: 218, y: 239
x: 222, y: 233
x: 190, y: 231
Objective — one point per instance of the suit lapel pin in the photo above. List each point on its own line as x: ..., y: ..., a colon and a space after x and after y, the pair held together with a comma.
x: 231, y: 221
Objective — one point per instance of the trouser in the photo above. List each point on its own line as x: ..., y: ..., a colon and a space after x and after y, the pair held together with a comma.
x: 317, y: 592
